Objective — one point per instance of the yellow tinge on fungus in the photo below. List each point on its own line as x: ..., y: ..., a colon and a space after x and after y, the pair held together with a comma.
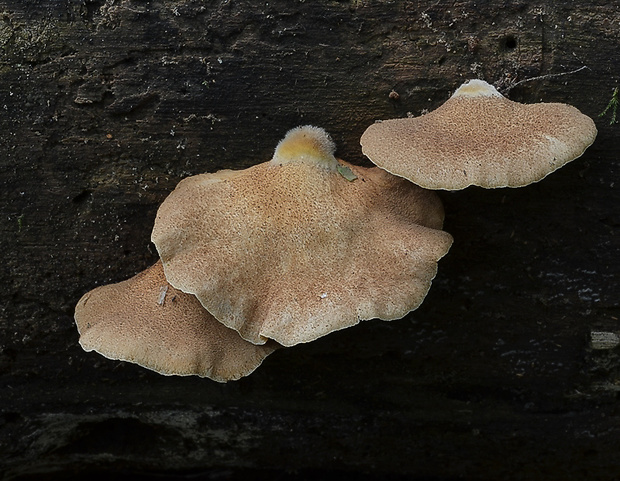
x: 303, y: 245
x: 146, y: 321
x: 479, y: 137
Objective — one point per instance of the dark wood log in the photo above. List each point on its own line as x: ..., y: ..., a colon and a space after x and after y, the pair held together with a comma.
x: 509, y: 370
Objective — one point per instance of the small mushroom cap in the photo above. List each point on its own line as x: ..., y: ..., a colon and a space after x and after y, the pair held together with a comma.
x: 479, y: 137
x: 146, y: 321
x: 290, y: 250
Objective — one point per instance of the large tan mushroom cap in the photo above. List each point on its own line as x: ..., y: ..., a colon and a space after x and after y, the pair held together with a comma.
x: 146, y: 321
x: 479, y: 137
x: 291, y: 250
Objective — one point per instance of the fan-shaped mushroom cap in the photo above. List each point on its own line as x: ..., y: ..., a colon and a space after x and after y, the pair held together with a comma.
x: 146, y: 321
x: 291, y: 250
x: 479, y: 137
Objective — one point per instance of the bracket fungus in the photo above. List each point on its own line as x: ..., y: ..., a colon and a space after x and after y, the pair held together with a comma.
x: 146, y: 321
x: 302, y: 245
x: 479, y: 137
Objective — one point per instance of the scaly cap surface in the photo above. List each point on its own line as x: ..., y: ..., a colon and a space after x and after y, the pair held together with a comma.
x: 479, y: 137
x: 146, y: 321
x: 291, y: 250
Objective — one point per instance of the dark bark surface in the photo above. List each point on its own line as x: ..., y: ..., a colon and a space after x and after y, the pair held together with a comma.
x: 509, y: 370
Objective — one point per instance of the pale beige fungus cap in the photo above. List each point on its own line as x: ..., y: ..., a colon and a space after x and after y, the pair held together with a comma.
x: 479, y: 137
x: 302, y: 245
x: 146, y: 321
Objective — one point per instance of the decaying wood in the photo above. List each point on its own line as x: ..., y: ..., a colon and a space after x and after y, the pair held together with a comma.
x: 505, y: 372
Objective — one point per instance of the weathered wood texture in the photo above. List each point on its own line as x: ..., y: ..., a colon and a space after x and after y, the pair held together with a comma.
x: 106, y: 105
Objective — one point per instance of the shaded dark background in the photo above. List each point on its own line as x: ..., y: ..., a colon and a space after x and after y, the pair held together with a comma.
x: 500, y: 375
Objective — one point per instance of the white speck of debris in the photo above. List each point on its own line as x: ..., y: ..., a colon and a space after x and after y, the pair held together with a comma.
x: 323, y: 296
x: 162, y: 295
x: 604, y: 340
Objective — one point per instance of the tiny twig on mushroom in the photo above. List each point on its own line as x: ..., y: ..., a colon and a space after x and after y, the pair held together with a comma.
x: 162, y: 294
x: 543, y: 77
x: 613, y: 104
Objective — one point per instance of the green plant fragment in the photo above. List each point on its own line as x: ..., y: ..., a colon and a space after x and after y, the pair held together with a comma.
x: 613, y: 104
x: 347, y: 173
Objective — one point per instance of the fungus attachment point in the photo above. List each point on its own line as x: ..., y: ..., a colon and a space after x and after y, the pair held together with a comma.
x: 476, y: 88
x: 259, y: 247
x: 479, y: 137
x: 131, y: 321
x: 307, y: 144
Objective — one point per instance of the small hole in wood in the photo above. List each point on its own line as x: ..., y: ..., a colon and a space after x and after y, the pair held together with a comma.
x: 509, y: 42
